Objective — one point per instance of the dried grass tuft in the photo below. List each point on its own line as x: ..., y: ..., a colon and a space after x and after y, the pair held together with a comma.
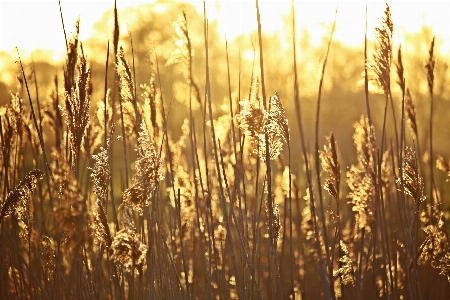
x: 346, y: 272
x: 361, y: 179
x: 128, y: 251
x: 257, y: 123
x: 412, y: 180
x: 148, y: 173
x: 77, y: 106
x: 430, y: 65
x: 381, y: 61
x: 18, y: 199
x: 330, y: 164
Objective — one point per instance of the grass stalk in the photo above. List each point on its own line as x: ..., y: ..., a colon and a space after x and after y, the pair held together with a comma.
x: 326, y: 284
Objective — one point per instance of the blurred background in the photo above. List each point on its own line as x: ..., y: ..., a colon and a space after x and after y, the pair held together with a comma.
x: 35, y: 28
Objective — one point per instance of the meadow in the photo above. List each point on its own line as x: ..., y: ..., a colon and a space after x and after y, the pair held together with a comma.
x: 171, y: 167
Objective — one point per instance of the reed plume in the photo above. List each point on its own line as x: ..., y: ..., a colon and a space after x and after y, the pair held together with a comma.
x: 411, y: 114
x: 445, y: 265
x: 257, y: 123
x: 101, y: 174
x: 361, y: 179
x: 381, y: 61
x: 48, y: 255
x: 128, y: 251
x: 400, y: 70
x: 76, y: 112
x: 14, y: 126
x: 330, y: 164
x: 346, y: 271
x: 183, y: 55
x: 276, y: 129
x: 128, y: 104
x: 412, y: 180
x: 252, y: 118
x: 69, y: 211
x: 430, y: 66
x: 71, y: 61
x: 443, y: 165
x: 435, y: 245
x: 276, y: 217
x: 19, y: 198
x: 148, y: 173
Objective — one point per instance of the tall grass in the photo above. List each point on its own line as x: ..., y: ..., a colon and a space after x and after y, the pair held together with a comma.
x: 214, y: 209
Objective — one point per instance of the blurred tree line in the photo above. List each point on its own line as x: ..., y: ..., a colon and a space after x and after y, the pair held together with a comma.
x: 343, y: 97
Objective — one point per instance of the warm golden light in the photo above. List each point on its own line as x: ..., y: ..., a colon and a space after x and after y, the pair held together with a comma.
x: 32, y: 25
x: 224, y: 149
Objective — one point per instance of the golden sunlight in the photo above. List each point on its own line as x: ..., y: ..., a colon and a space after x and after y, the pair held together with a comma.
x: 199, y: 150
x: 32, y: 25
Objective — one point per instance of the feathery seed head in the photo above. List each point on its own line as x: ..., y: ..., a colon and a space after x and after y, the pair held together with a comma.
x: 381, y: 61
x: 148, y: 173
x: 18, y: 198
x: 257, y: 123
x: 128, y: 251
x: 430, y: 65
x: 412, y: 180
x: 330, y: 164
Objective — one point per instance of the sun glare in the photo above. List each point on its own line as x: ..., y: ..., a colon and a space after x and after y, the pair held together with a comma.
x: 31, y: 25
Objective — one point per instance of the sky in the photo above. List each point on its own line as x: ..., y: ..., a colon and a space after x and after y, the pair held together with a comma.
x: 37, y: 24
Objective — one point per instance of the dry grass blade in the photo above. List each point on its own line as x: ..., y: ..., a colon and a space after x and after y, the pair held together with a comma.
x: 18, y: 197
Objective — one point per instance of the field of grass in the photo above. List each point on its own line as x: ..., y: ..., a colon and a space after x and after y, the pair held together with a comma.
x: 114, y: 189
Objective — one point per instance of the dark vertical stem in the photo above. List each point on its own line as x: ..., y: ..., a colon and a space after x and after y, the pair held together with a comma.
x: 41, y: 139
x: 272, y: 242
x: 105, y: 100
x: 62, y: 21
x: 366, y: 75
x: 317, y: 157
x: 325, y: 282
x: 136, y: 110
